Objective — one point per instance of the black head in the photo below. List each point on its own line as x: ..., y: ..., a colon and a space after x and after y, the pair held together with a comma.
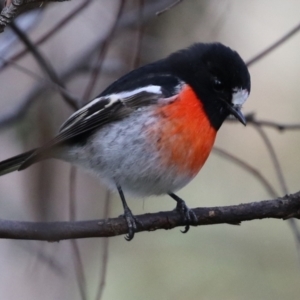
x: 219, y: 77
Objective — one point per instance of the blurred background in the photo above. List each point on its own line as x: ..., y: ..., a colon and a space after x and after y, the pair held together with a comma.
x: 257, y: 260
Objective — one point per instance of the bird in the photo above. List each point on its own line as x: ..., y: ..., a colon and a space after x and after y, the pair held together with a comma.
x: 151, y: 131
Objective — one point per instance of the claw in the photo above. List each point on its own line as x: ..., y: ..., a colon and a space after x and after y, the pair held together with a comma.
x: 186, y: 213
x: 186, y: 229
x: 129, y: 217
x: 131, y: 223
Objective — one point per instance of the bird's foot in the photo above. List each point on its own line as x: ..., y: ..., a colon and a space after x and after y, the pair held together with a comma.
x: 131, y: 223
x: 187, y: 214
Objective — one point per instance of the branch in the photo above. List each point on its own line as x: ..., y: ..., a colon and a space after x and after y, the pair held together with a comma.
x: 81, y: 63
x: 102, y: 53
x: 250, y: 169
x: 77, y: 258
x: 14, y: 7
x: 158, y: 13
x: 251, y: 119
x: 139, y: 37
x: 274, y: 46
x: 280, y: 208
x: 52, y: 31
x: 45, y: 65
x: 105, y: 256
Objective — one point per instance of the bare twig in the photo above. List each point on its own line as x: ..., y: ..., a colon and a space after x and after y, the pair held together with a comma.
x: 275, y: 125
x: 281, y: 180
x: 37, y: 250
x: 158, y: 13
x: 79, y: 64
x: 275, y: 45
x: 139, y: 37
x: 21, y: 109
x: 105, y: 252
x: 81, y: 281
x: 72, y: 193
x: 58, y: 26
x: 256, y: 173
x: 44, y: 64
x: 263, y: 180
x: 274, y: 158
x: 15, y: 7
x: 103, y: 50
x: 280, y: 208
x: 251, y: 119
x: 42, y: 80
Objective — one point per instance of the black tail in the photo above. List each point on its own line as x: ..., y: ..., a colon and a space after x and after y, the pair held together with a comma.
x: 14, y: 163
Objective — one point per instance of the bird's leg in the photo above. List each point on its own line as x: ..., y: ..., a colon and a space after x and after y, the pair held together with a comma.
x: 187, y: 214
x: 129, y: 217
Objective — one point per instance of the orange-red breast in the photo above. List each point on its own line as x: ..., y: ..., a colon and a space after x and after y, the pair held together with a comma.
x: 151, y: 131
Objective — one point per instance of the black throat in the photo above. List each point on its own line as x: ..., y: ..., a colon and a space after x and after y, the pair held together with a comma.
x: 215, y: 110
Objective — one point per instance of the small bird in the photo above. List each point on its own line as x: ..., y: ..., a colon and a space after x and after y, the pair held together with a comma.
x: 151, y: 131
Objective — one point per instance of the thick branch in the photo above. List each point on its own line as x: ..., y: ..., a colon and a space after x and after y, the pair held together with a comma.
x: 280, y: 208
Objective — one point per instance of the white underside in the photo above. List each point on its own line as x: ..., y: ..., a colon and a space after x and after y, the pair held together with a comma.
x: 122, y: 153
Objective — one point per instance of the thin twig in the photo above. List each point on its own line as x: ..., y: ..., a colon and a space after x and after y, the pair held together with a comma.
x: 44, y: 64
x: 275, y: 45
x: 103, y: 50
x: 281, y: 180
x: 279, y: 126
x: 139, y: 37
x: 56, y: 28
x: 52, y: 263
x: 256, y: 173
x: 81, y: 281
x: 275, y: 125
x: 274, y: 159
x: 251, y: 119
x: 158, y: 13
x: 103, y: 273
x: 14, y: 7
x: 42, y: 80
x: 80, y: 64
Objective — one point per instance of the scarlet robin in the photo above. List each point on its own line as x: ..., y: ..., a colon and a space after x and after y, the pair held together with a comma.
x: 151, y: 131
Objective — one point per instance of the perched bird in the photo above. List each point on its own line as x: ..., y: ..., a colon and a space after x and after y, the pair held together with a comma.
x: 151, y: 131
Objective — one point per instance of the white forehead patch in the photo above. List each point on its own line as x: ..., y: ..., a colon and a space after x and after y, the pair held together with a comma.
x: 239, y: 97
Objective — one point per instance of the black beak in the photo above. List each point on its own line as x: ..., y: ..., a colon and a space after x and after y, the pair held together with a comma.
x: 236, y: 111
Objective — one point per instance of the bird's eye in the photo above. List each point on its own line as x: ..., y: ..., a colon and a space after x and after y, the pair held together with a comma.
x: 218, y: 85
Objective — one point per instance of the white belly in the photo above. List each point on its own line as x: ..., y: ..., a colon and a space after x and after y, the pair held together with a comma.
x: 122, y: 153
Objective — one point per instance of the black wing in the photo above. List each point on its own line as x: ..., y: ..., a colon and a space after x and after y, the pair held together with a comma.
x: 102, y: 111
x: 90, y: 118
